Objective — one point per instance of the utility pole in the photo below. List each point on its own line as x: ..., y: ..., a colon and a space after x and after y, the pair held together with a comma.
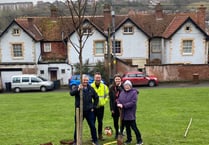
x: 113, y: 41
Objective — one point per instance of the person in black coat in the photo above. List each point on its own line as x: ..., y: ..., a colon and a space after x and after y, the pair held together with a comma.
x: 90, y: 102
x: 114, y: 92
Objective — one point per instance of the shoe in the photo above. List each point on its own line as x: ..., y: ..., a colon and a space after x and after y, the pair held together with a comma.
x: 95, y: 143
x: 139, y: 143
x: 127, y: 142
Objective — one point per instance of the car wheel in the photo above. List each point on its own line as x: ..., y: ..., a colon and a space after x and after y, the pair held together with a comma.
x: 72, y: 87
x: 151, y: 83
x: 43, y: 89
x: 17, y: 90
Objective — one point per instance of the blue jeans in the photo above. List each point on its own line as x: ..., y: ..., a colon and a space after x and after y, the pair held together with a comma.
x: 89, y: 116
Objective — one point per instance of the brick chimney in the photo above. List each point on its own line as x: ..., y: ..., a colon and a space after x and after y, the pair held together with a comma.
x: 201, y: 14
x: 158, y: 12
x: 107, y: 17
x: 30, y: 21
x: 54, y: 11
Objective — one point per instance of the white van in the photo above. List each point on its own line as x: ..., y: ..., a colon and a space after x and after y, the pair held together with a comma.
x: 30, y: 82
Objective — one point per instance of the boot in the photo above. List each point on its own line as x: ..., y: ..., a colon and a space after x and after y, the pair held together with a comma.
x: 101, y: 137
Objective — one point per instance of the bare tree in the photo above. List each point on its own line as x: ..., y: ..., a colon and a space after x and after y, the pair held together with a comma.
x: 81, y: 25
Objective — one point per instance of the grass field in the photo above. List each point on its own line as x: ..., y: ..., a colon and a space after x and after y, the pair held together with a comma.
x: 163, y: 115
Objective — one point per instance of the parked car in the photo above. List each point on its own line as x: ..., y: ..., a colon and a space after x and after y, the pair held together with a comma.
x: 75, y: 80
x: 30, y: 82
x: 140, y: 78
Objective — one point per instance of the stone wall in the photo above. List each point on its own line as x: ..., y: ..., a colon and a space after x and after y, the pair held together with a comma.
x: 179, y: 72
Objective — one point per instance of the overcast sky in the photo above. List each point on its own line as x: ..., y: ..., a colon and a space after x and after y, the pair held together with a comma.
x: 34, y: 1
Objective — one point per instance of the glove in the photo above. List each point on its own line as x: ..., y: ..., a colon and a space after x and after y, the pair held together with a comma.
x: 120, y: 105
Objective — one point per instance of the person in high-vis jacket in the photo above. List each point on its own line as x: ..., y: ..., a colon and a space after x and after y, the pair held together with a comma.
x: 103, y: 92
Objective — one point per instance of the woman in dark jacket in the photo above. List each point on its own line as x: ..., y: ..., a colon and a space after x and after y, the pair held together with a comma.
x: 114, y: 92
x: 127, y: 102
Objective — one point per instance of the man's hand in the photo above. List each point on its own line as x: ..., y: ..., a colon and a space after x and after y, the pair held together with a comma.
x: 80, y: 87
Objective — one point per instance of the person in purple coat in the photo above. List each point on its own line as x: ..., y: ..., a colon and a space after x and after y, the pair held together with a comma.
x: 127, y: 101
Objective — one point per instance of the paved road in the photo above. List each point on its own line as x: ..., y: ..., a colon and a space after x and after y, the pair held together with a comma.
x: 164, y: 85
x: 161, y: 85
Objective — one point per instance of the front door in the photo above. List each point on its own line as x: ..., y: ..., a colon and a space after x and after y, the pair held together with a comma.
x: 53, y: 75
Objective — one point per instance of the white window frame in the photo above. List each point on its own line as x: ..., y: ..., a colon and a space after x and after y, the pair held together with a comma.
x: 128, y: 30
x: 16, y: 31
x: 156, y: 46
x: 102, y: 48
x: 47, y: 47
x: 15, y: 52
x: 187, y: 46
x: 87, y: 30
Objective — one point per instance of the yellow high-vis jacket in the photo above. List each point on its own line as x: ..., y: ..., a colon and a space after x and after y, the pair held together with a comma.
x: 103, y: 93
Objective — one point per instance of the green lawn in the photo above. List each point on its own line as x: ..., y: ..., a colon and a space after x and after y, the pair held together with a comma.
x: 162, y: 117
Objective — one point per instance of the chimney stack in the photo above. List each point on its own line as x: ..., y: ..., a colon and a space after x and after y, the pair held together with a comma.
x: 201, y: 14
x: 107, y: 17
x: 54, y: 11
x: 158, y: 12
x: 30, y: 21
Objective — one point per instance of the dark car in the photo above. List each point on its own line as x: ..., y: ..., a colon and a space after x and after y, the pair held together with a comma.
x: 139, y: 78
x: 75, y: 80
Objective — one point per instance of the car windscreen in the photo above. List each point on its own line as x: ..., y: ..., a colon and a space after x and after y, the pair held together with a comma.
x: 43, y: 79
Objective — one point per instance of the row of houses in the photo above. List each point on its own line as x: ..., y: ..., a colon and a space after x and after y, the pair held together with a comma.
x: 42, y: 45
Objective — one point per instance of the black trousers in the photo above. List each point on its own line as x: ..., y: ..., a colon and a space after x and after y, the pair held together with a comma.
x: 89, y: 116
x: 99, y: 115
x: 116, y: 119
x: 131, y: 124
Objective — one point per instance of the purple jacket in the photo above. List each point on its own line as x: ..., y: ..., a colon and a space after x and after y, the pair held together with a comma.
x: 129, y: 100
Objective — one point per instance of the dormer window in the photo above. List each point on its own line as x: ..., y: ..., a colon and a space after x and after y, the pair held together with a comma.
x: 87, y: 30
x: 47, y: 47
x: 16, y: 31
x: 128, y: 29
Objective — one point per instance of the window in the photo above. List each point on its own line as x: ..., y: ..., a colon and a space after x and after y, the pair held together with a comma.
x: 41, y: 71
x: 156, y: 46
x: 16, y: 80
x: 16, y: 31
x: 87, y: 30
x: 99, y: 47
x: 62, y: 71
x: 25, y: 79
x: 128, y: 30
x: 187, y: 46
x: 117, y: 47
x: 34, y: 80
x: 17, y: 50
x: 47, y: 47
x: 188, y: 28
x: 131, y: 75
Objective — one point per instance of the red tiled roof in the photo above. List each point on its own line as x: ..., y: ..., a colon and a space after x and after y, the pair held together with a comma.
x: 53, y: 28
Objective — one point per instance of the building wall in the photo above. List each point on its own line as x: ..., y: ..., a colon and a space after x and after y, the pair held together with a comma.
x: 16, y: 6
x: 58, y: 51
x: 29, y: 54
x: 133, y: 45
x: 174, y: 47
x: 63, y: 77
x: 179, y: 72
x: 88, y: 50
